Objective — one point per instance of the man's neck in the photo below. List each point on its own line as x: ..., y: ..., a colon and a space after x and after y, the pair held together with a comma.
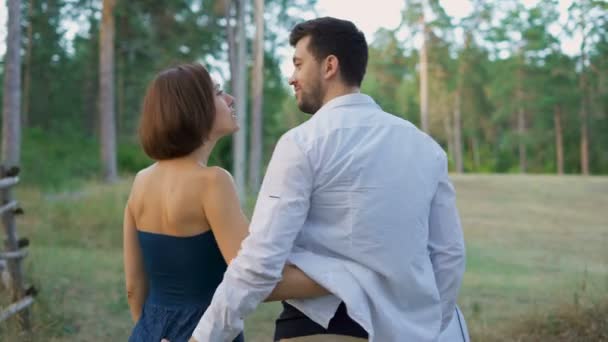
x: 341, y: 90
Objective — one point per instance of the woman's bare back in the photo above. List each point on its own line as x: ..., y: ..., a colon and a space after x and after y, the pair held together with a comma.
x: 167, y: 198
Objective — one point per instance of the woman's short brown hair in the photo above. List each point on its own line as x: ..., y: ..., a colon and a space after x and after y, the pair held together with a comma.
x: 178, y: 112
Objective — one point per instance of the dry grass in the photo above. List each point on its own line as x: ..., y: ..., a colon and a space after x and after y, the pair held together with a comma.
x: 565, y: 324
x: 536, y: 245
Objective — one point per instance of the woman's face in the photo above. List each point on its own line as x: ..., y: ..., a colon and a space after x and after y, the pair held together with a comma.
x: 225, y: 115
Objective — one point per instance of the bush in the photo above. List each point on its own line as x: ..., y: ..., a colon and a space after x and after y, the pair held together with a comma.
x: 55, y: 161
x: 131, y: 157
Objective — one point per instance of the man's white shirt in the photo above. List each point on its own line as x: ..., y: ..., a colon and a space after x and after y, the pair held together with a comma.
x: 360, y: 200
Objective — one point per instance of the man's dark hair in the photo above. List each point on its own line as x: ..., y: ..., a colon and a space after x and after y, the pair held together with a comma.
x: 341, y: 38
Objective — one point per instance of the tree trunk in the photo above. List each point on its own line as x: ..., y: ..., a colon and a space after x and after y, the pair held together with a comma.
x: 584, y: 144
x: 458, y: 119
x: 239, y: 145
x: 462, y: 71
x: 27, y: 66
x: 106, y: 93
x: 475, y: 158
x: 448, y: 128
x: 232, y: 47
x: 11, y: 108
x: 559, y: 140
x: 458, y: 135
x: 121, y: 115
x: 521, y: 130
x: 11, y: 148
x: 602, y: 85
x: 521, y: 122
x: 424, y: 99
x: 584, y: 137
x: 257, y: 86
x: 90, y: 91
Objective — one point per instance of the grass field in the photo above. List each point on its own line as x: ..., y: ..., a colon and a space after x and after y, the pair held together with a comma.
x: 535, y: 244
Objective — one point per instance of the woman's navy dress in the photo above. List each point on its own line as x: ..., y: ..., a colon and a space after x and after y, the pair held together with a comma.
x: 183, y: 273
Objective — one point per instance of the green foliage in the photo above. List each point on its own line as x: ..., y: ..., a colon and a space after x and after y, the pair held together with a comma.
x: 131, y: 157
x: 500, y: 51
x: 508, y: 61
x: 65, y: 160
x: 55, y: 160
x: 61, y: 82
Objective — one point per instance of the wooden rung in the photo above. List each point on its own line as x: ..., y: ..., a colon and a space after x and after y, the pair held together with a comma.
x: 12, y: 171
x: 16, y: 307
x: 8, y: 182
x: 12, y: 205
x: 22, y: 253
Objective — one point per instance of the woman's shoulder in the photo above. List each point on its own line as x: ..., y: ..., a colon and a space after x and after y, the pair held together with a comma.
x: 215, y: 176
x: 192, y: 178
x: 141, y: 177
x: 143, y: 173
x: 215, y: 183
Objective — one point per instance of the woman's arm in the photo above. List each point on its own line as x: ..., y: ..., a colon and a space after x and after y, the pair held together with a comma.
x: 296, y: 285
x: 223, y: 212
x: 230, y: 227
x: 135, y: 275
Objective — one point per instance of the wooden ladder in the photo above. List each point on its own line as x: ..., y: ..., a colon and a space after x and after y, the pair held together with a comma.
x: 11, y: 258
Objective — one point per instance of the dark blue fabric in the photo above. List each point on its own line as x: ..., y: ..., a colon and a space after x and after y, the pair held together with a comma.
x: 183, y: 273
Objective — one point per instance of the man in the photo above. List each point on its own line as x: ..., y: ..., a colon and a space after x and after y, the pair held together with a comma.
x: 357, y: 198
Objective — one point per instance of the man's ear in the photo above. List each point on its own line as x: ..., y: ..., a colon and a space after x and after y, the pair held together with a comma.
x: 331, y: 67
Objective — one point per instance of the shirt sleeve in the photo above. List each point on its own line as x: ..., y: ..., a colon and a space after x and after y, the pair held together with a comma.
x: 446, y: 243
x: 279, y: 214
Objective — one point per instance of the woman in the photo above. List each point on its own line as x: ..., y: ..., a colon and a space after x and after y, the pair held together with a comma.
x: 182, y: 221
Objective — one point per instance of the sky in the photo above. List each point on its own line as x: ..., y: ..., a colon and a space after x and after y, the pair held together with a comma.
x: 369, y: 16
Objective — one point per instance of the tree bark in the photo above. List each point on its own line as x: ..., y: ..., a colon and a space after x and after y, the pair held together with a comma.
x: 559, y: 140
x: 448, y: 127
x: 521, y: 121
x: 11, y: 108
x: 27, y: 66
x: 584, y: 143
x: 475, y: 149
x: 458, y: 115
x: 106, y: 93
x: 232, y: 47
x: 424, y: 74
x: 11, y: 148
x: 458, y: 134
x: 521, y: 130
x: 239, y: 145
x: 257, y: 86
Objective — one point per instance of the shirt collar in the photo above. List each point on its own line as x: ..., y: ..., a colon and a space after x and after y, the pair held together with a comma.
x: 348, y: 100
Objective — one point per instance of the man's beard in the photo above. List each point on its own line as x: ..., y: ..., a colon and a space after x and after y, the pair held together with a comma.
x: 311, y: 102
